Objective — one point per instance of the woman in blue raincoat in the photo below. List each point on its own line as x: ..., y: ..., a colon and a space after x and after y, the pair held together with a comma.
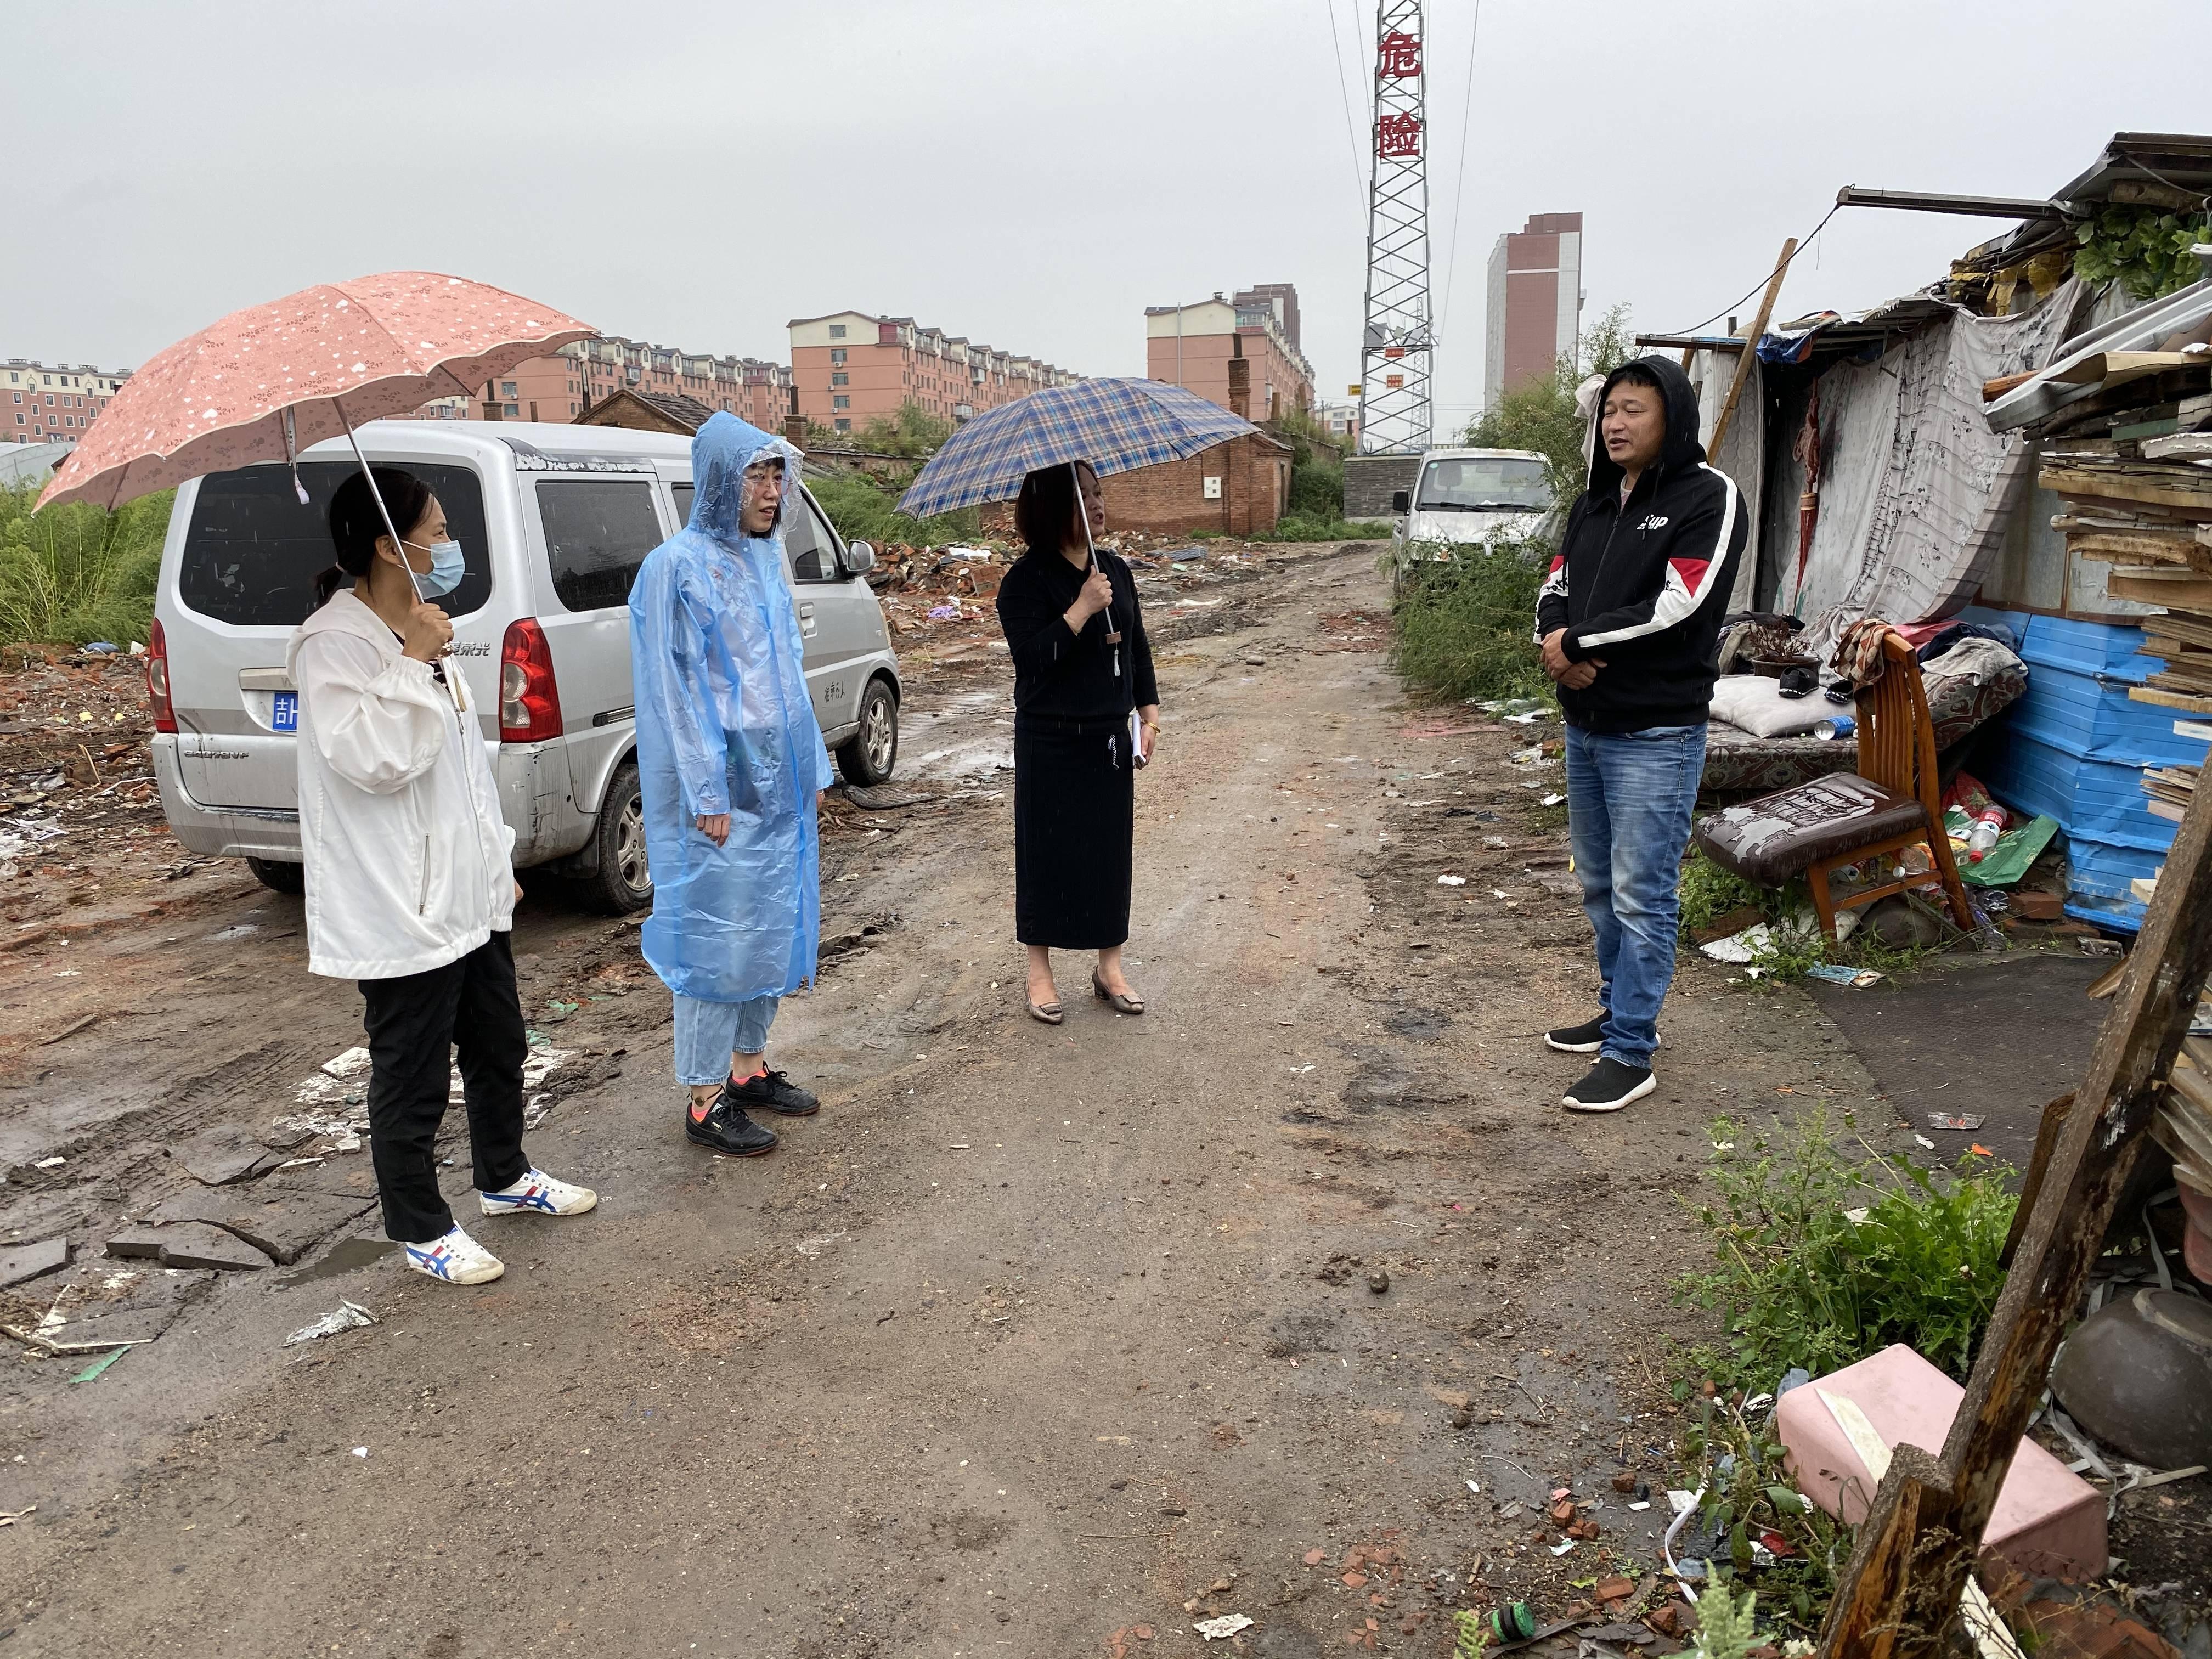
x: 731, y: 764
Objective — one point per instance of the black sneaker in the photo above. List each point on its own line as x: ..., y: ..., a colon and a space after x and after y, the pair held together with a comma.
x: 728, y: 1130
x: 1582, y: 1039
x: 774, y: 1090
x: 1609, y: 1086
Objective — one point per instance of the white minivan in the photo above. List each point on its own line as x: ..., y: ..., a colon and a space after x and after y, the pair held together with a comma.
x: 553, y: 522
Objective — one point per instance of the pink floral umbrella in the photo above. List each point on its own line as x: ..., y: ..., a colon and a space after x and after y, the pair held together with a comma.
x: 265, y: 383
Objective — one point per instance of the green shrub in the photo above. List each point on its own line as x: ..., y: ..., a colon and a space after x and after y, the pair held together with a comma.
x: 1466, y: 626
x: 1819, y: 1261
x: 1316, y: 490
x: 863, y: 509
x: 77, y: 573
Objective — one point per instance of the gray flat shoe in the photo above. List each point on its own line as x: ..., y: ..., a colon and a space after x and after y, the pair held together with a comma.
x: 1114, y: 1000
x: 1045, y: 1013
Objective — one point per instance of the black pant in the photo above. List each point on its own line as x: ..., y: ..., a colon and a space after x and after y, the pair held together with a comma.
x: 414, y: 1023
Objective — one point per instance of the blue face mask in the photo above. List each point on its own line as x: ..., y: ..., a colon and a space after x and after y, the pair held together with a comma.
x: 446, y: 571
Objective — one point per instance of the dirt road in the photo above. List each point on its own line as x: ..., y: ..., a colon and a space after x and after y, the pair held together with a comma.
x: 1034, y: 1342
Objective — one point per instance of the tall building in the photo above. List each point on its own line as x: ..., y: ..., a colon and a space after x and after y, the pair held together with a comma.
x: 1536, y: 302
x: 850, y: 368
x: 48, y: 402
x: 1284, y: 298
x: 1237, y: 352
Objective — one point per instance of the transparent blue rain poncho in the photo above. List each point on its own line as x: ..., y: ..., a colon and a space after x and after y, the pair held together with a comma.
x: 724, y: 725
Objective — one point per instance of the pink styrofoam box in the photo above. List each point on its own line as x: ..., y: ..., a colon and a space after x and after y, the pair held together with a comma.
x: 2049, y: 1521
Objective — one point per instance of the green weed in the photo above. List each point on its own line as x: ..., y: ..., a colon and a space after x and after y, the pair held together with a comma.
x: 1466, y: 625
x: 1796, y: 943
x: 1296, y: 527
x: 1470, y: 1634
x: 1820, y: 1261
x: 862, y: 509
x: 1749, y: 1495
x: 78, y: 572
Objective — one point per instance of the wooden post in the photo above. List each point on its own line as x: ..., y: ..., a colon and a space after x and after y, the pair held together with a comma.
x: 1749, y: 354
x: 1902, y: 1587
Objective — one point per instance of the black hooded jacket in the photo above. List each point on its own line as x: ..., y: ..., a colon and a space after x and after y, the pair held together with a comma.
x: 1641, y: 586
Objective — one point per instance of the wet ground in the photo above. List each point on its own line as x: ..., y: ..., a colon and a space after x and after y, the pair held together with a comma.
x: 1292, y: 1299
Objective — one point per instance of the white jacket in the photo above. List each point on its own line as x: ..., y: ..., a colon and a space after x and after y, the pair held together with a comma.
x: 407, y: 854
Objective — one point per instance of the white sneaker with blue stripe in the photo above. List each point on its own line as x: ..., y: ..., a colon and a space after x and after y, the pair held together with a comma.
x: 539, y: 1194
x: 456, y: 1259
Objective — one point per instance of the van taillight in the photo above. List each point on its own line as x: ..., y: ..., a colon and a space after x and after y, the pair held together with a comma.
x: 157, y: 679
x: 529, y: 702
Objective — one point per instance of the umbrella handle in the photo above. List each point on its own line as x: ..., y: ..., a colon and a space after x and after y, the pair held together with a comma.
x: 1075, y: 480
x: 398, y: 545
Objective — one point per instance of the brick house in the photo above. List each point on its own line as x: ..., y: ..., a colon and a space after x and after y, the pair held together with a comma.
x: 1238, y: 488
x: 850, y: 367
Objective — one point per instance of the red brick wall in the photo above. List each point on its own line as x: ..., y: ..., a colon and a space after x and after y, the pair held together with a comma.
x: 1170, y: 498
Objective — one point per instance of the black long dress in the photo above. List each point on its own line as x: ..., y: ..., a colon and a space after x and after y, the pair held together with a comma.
x: 1074, y: 783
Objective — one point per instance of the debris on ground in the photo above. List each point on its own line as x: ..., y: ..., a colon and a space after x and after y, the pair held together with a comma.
x: 346, y: 1316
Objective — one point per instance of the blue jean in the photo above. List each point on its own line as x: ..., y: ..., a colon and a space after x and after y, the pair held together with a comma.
x: 1629, y: 800
x: 708, y: 1033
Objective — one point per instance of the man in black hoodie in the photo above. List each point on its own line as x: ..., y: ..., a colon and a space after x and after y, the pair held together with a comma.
x: 1628, y: 620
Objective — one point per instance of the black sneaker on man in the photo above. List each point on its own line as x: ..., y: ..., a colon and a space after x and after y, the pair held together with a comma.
x: 725, y: 1128
x: 1582, y: 1039
x: 1609, y: 1086
x: 774, y: 1090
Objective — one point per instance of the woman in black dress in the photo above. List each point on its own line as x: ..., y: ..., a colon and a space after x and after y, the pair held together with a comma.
x: 1084, y: 700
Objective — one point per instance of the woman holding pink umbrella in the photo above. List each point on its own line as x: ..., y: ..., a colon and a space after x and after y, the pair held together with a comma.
x: 409, y: 887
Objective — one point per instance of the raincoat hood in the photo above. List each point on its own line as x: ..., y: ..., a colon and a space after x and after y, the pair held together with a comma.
x: 1681, y: 450
x: 726, y: 726
x: 723, y: 448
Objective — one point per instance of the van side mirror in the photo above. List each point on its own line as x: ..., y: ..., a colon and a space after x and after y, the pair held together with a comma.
x: 1402, y: 501
x: 860, y: 557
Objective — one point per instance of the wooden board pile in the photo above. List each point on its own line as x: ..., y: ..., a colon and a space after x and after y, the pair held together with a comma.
x: 2133, y: 465
x: 2170, y: 789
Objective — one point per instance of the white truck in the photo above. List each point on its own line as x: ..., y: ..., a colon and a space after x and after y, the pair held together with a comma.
x: 1468, y: 498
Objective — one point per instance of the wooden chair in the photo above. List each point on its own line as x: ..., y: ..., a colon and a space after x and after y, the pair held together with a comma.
x: 1891, y: 802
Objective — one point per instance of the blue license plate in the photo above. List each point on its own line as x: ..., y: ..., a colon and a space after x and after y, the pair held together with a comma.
x: 284, y: 712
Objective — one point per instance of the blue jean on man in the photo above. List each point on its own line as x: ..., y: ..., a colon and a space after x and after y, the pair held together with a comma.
x: 708, y: 1033
x: 1629, y: 800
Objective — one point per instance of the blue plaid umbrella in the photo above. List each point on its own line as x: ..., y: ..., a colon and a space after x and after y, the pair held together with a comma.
x: 1115, y: 425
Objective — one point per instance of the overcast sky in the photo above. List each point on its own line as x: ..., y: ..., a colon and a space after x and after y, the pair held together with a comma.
x: 1029, y: 174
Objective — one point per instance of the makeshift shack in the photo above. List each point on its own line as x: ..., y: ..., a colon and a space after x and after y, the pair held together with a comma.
x: 1880, y: 489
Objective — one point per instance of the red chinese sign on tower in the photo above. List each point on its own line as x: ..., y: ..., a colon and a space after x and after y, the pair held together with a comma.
x: 1397, y: 56
x: 1398, y: 135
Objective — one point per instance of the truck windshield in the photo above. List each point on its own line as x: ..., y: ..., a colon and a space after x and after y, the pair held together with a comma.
x: 1477, y: 484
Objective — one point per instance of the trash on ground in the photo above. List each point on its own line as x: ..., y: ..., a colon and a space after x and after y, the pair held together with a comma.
x: 1441, y: 881
x: 1217, y: 1630
x: 91, y: 1373
x: 53, y: 1163
x: 1836, y: 974
x: 10, y: 1517
x: 346, y: 1316
x: 1550, y: 800
x: 1954, y: 1120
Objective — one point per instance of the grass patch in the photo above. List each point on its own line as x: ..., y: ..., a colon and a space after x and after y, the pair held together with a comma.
x: 1466, y: 625
x: 78, y: 572
x: 1819, y: 1260
x: 1296, y: 526
x: 863, y: 510
x: 1750, y: 1494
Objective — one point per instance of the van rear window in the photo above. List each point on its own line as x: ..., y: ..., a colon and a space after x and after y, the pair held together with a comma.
x: 598, y: 532
x: 252, y: 552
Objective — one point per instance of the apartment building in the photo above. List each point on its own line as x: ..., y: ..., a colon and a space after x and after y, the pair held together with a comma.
x: 562, y: 385
x: 1536, y: 302
x: 850, y: 368
x: 50, y: 403
x: 1238, y: 353
x: 1342, y: 421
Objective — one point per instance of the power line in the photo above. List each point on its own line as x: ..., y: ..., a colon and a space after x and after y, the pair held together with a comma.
x: 1358, y: 184
x: 1459, y: 185
x: 1804, y: 244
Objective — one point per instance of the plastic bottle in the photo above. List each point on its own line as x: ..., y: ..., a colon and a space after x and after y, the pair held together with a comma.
x: 1988, y: 824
